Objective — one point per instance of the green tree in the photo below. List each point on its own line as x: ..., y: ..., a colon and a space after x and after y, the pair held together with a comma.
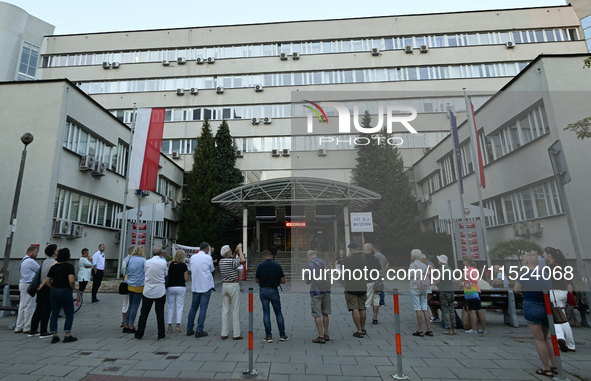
x: 380, y: 168
x: 582, y: 128
x: 512, y: 246
x: 198, y: 215
x: 433, y: 244
x: 229, y: 177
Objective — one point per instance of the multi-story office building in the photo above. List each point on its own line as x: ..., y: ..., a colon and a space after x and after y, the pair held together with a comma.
x: 21, y: 37
x: 516, y: 129
x: 74, y: 178
x: 247, y: 75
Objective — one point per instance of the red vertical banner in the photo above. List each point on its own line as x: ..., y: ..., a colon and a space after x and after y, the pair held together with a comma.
x: 153, y: 148
x: 480, y: 162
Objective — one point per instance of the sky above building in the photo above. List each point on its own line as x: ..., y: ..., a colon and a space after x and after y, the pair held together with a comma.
x: 70, y: 16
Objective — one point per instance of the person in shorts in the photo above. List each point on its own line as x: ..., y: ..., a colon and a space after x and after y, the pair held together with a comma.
x: 355, y: 287
x: 534, y: 312
x: 472, y: 296
x: 319, y: 295
x: 418, y: 292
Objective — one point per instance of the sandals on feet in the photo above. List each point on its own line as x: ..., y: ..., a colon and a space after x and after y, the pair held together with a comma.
x: 318, y: 340
x: 554, y: 369
x: 375, y: 321
x: 326, y: 338
x: 364, y: 331
x: 447, y: 332
x: 359, y: 335
x: 429, y: 333
x: 544, y: 372
x: 418, y: 333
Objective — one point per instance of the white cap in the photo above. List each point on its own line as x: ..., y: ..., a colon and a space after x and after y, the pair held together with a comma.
x: 442, y: 258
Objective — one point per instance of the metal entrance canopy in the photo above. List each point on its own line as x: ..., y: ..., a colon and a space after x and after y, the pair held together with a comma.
x: 294, y: 190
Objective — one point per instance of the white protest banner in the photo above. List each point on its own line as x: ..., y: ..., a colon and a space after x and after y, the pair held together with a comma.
x: 189, y: 250
x: 362, y: 222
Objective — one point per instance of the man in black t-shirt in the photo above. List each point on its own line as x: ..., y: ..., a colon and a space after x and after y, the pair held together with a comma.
x: 355, y: 287
x: 269, y: 276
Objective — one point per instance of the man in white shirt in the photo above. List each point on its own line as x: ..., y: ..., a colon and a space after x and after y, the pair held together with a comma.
x: 98, y: 270
x: 27, y: 269
x: 154, y: 292
x: 202, y: 270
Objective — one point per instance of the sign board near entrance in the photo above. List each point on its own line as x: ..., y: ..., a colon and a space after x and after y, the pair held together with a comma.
x: 295, y: 224
x: 362, y: 222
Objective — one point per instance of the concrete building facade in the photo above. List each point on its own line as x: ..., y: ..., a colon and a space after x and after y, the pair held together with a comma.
x: 21, y: 39
x: 516, y: 129
x: 63, y: 200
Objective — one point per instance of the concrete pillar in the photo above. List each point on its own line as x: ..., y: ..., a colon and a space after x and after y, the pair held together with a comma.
x: 335, y: 236
x: 258, y: 245
x: 347, y: 228
x: 245, y: 232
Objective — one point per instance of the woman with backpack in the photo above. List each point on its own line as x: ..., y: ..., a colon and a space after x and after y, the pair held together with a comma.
x: 420, y: 281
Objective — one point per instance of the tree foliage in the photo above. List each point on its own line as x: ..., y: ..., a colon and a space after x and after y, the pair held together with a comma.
x: 229, y: 177
x: 512, y: 247
x: 432, y: 244
x: 198, y: 215
x: 380, y: 168
x: 582, y: 128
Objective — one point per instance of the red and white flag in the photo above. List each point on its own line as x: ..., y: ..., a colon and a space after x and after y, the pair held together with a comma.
x: 145, y: 155
x: 478, y: 150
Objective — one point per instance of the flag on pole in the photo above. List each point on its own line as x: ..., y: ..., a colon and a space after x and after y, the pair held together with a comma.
x: 477, y: 141
x: 454, y: 133
x: 145, y: 155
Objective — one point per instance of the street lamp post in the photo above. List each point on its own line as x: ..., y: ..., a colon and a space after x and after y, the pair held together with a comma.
x: 27, y: 139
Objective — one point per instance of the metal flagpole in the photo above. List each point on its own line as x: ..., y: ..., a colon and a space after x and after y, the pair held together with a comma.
x: 122, y: 240
x: 453, y: 243
x: 139, y: 213
x: 476, y: 164
x: 458, y: 174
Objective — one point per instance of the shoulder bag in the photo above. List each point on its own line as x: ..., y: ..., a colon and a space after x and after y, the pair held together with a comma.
x: 558, y: 313
x: 32, y: 289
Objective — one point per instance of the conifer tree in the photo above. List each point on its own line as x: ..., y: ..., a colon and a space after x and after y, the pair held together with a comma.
x: 197, y: 217
x: 229, y: 177
x: 380, y: 168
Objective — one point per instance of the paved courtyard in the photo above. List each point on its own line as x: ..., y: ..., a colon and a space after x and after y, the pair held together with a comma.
x: 103, y: 353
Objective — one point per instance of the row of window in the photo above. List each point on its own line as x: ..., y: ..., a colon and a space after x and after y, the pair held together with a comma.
x: 422, y: 105
x: 74, y: 206
x: 308, y: 78
x: 28, y: 64
x: 307, y: 143
x: 317, y: 47
x: 432, y: 183
x: 519, y: 131
x: 166, y: 188
x: 535, y: 202
x: 80, y: 141
x: 586, y: 23
x: 164, y: 229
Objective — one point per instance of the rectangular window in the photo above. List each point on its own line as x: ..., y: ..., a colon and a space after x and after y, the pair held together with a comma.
x: 526, y: 132
x: 509, y: 209
x: 540, y: 201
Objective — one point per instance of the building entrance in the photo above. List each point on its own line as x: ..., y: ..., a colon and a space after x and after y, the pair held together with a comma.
x: 319, y: 238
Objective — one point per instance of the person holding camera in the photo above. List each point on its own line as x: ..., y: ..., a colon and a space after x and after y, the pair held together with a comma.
x: 231, y: 290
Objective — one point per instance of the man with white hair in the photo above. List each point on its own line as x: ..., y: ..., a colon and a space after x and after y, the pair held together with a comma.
x: 154, y: 292
x: 418, y: 291
x: 231, y: 290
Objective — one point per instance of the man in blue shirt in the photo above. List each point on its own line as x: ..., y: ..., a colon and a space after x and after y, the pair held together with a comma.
x: 269, y: 276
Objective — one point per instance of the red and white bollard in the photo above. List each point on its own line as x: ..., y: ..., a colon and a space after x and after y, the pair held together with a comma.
x: 554, y: 340
x: 400, y: 375
x: 250, y: 372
